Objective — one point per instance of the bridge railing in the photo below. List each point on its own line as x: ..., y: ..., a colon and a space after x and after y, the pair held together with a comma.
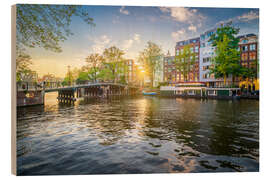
x: 31, y: 86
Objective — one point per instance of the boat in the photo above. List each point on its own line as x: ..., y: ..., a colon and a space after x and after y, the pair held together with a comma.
x: 149, y: 93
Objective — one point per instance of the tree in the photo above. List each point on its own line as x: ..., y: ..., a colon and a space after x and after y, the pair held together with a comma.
x: 227, y: 59
x: 94, y: 61
x: 71, y: 76
x: 112, y: 57
x: 184, y: 61
x: 150, y: 58
x: 83, y: 77
x: 46, y: 26
x: 105, y: 74
x: 231, y: 33
x: 247, y: 74
x: 23, y: 62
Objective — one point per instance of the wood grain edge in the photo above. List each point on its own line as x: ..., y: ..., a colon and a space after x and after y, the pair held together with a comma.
x: 13, y: 92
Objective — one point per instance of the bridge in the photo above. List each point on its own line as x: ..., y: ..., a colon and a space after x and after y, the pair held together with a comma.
x: 29, y: 93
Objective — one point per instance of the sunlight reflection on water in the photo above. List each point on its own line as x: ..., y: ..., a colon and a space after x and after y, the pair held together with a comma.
x: 138, y: 135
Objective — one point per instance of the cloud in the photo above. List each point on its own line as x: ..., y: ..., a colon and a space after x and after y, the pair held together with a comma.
x: 100, y: 44
x: 248, y: 16
x: 251, y: 15
x: 179, y: 35
x: 137, y: 37
x: 129, y: 42
x: 192, y: 28
x: 123, y: 10
x: 182, y: 14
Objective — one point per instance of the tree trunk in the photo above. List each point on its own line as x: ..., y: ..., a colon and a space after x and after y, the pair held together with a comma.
x: 225, y: 80
x: 95, y: 78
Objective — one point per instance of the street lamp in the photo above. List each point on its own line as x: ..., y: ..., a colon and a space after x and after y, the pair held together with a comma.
x: 69, y: 76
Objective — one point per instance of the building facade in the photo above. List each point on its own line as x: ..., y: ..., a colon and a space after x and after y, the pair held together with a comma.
x: 171, y: 74
x: 130, y: 75
x: 205, y: 52
x: 169, y: 69
x: 194, y: 73
x: 248, y: 47
x: 159, y: 73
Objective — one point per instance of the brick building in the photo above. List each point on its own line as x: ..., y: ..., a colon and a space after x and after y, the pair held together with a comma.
x: 248, y: 46
x: 171, y: 74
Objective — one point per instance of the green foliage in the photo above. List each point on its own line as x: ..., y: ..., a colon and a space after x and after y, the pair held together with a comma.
x: 247, y: 73
x: 227, y: 59
x: 122, y: 80
x: 82, y: 78
x: 46, y: 26
x: 23, y: 70
x: 230, y: 31
x: 66, y: 81
x: 94, y: 62
x: 162, y: 84
x: 113, y: 57
x: 105, y: 74
x: 70, y: 77
x: 184, y: 61
x: 150, y: 57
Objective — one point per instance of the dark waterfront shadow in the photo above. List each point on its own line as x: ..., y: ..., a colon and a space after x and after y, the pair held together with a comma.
x: 234, y: 133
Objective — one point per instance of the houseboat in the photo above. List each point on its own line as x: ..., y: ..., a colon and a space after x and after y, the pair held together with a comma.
x: 199, y: 90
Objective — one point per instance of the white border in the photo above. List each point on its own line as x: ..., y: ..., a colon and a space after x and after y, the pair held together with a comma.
x: 264, y: 80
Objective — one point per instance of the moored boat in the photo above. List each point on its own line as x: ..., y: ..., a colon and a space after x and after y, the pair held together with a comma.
x: 149, y: 93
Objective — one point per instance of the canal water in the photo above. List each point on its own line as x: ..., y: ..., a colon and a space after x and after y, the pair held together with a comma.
x: 138, y: 135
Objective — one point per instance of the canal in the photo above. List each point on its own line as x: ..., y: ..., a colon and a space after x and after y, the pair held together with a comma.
x: 138, y: 135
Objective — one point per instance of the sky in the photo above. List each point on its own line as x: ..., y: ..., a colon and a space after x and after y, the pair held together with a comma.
x: 130, y: 28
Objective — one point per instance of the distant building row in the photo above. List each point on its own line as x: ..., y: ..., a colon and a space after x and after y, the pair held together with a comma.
x: 204, y: 51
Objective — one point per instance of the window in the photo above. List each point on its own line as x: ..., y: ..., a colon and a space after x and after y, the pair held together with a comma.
x: 205, y: 68
x: 212, y: 93
x: 252, y: 56
x: 196, y: 48
x: 244, y: 41
x: 177, y: 52
x: 204, y: 76
x: 252, y: 65
x: 245, y: 64
x: 202, y: 45
x: 202, y: 37
x: 182, y: 50
x: 244, y: 48
x: 191, y: 49
x: 181, y: 77
x: 252, y: 47
x: 244, y: 56
x: 205, y: 60
x: 191, y: 92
